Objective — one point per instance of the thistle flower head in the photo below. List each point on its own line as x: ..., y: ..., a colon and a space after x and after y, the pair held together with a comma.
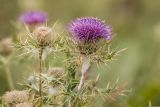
x: 43, y: 35
x: 16, y: 96
x: 23, y: 105
x: 90, y: 29
x: 33, y: 17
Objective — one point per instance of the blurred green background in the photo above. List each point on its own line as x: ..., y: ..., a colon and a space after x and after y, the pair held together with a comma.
x: 137, y: 27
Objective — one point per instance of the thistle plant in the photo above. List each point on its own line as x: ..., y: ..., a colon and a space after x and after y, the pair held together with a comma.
x: 42, y: 36
x: 85, y: 43
x: 87, y: 32
x: 39, y: 40
x: 90, y: 43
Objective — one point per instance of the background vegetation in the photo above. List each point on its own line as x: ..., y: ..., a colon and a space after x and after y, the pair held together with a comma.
x: 137, y: 27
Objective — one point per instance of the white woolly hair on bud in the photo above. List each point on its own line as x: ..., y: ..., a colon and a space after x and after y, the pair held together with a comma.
x: 53, y: 91
x: 43, y: 35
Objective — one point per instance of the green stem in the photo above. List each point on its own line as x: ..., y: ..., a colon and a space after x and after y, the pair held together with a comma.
x: 40, y: 72
x: 71, y: 77
x: 71, y: 72
x: 9, y: 77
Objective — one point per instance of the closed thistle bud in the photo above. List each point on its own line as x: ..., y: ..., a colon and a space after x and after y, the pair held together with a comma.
x: 6, y: 46
x: 23, y: 105
x: 15, y: 97
x: 43, y: 35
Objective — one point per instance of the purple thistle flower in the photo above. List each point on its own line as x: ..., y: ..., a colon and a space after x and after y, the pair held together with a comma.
x: 33, y: 17
x: 90, y: 29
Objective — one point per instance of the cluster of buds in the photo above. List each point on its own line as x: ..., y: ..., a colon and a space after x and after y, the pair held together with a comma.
x: 58, y: 84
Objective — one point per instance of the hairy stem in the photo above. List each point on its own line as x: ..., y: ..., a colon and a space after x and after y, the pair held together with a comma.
x: 9, y: 77
x: 40, y: 71
x: 84, y: 70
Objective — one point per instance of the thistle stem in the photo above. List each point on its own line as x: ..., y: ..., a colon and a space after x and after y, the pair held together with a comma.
x: 9, y: 77
x: 72, y: 103
x: 81, y: 81
x: 71, y: 76
x: 84, y: 70
x: 69, y: 103
x: 40, y: 71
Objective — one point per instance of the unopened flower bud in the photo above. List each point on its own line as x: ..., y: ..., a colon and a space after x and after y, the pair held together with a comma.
x: 6, y: 46
x: 16, y: 97
x: 43, y: 35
